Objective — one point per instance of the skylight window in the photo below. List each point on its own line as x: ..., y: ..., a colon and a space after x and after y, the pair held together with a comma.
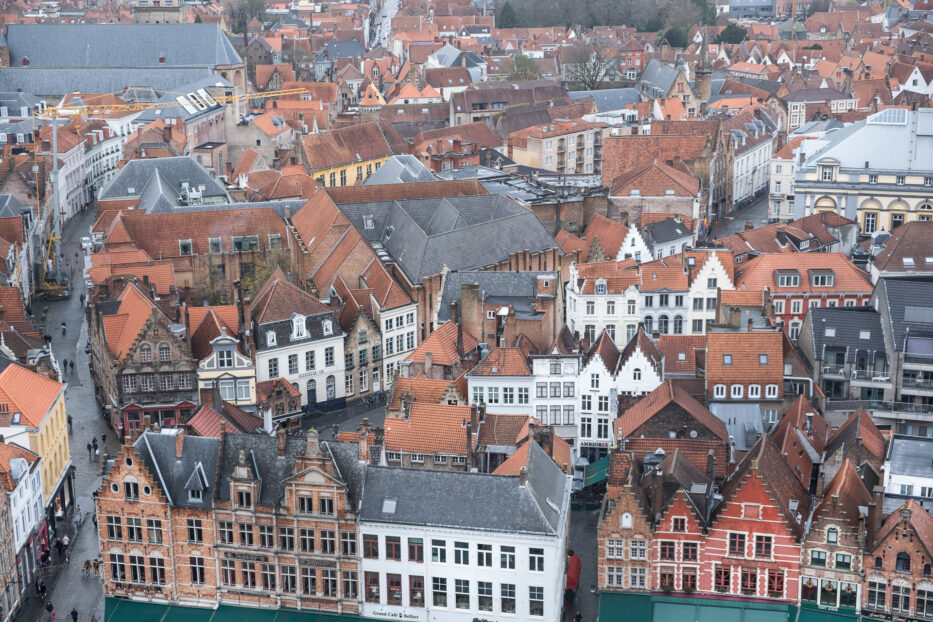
x: 830, y: 332
x: 389, y: 505
x: 908, y: 262
x: 864, y: 334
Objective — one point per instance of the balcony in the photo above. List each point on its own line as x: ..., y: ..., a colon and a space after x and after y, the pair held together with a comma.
x: 888, y: 409
x: 873, y: 376
x: 838, y: 371
x: 921, y: 361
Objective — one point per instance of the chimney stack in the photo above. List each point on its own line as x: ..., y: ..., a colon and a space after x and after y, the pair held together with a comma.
x: 281, y: 440
x: 179, y: 443
x: 523, y: 476
x: 428, y: 364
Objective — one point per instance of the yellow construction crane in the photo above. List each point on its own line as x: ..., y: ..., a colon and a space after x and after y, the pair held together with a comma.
x: 55, y: 287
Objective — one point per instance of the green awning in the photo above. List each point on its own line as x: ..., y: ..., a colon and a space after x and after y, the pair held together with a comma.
x: 187, y: 614
x: 116, y: 610
x: 596, y: 472
x: 232, y: 613
x: 624, y: 607
x: 808, y: 614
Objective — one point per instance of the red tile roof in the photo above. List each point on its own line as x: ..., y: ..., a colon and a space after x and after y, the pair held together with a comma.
x: 795, y: 438
x: 420, y: 389
x: 123, y: 327
x: 760, y: 272
x: 502, y: 362
x: 429, y: 428
x: 611, y: 235
x: 207, y: 422
x: 442, y: 344
x: 9, y: 451
x: 846, y: 492
x: 663, y: 396
x: 562, y: 456
x: 745, y: 349
x: 673, y: 347
x: 349, y: 145
x: 28, y: 393
x: 655, y: 180
x: 606, y: 348
x: 694, y: 449
x: 278, y: 299
x: 859, y: 429
x: 920, y: 520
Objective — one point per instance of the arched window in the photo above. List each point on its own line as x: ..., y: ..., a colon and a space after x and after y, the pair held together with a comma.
x: 165, y: 353
x: 662, y: 324
x: 903, y: 562
x: 312, y: 392
x: 331, y: 387
x: 878, y: 562
x: 636, y: 374
x: 145, y: 353
x: 832, y: 535
x: 678, y: 325
x: 926, y: 570
x: 626, y: 521
x: 649, y: 324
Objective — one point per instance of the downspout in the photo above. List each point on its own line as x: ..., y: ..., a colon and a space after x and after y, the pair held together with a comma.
x: 804, y: 378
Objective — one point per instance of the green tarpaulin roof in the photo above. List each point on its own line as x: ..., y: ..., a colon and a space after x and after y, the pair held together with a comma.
x: 596, y: 472
x: 117, y: 610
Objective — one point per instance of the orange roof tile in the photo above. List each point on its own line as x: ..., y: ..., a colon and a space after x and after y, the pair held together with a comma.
x: 760, y: 272
x: 9, y: 451
x: 502, y: 362
x: 429, y: 428
x: 743, y: 364
x: 420, y: 389
x: 28, y: 393
x: 206, y: 422
x: 680, y: 352
x: 123, y: 327
x: 663, y: 396
x: 611, y: 234
x: 562, y: 457
x: 442, y: 344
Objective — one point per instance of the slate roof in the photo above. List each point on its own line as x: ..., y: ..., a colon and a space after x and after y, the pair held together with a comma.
x: 400, y: 169
x: 157, y: 452
x: 517, y: 289
x: 423, y: 498
x: 461, y: 233
x: 609, y: 99
x: 667, y: 230
x: 262, y: 454
x: 657, y: 74
x: 161, y: 177
x: 845, y: 327
x: 10, y: 207
x: 902, y: 297
x: 120, y: 45
x: 58, y: 81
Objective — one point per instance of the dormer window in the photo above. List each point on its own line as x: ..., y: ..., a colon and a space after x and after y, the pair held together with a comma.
x: 225, y: 358
x: 195, y: 496
x: 788, y: 279
x: 823, y: 279
x: 328, y: 327
x: 299, y: 330
x: 827, y: 173
x: 600, y: 287
x: 270, y: 338
x: 184, y: 247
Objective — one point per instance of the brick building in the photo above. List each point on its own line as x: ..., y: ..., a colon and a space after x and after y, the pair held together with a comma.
x: 624, y: 529
x: 898, y: 566
x: 241, y: 519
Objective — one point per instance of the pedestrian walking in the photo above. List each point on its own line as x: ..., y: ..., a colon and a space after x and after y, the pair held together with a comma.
x: 59, y: 546
x: 67, y: 556
x: 70, y: 421
x: 66, y: 541
x: 82, y: 300
x: 94, y: 443
x: 72, y: 366
x: 74, y: 615
x: 78, y: 516
x: 42, y: 589
x: 87, y: 567
x: 94, y: 518
x: 63, y: 329
x: 90, y: 449
x: 97, y: 453
x: 103, y: 439
x: 50, y: 609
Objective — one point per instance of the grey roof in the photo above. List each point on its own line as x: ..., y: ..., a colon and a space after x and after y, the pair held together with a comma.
x: 400, y: 169
x: 902, y: 296
x: 911, y: 456
x: 667, y: 230
x: 181, y: 112
x: 518, y: 289
x: 11, y: 207
x: 162, y: 178
x: 815, y: 95
x: 15, y: 101
x: 120, y: 45
x: 264, y: 461
x: 340, y: 49
x: 346, y: 457
x: 462, y: 233
x: 743, y: 422
x: 845, y: 327
x: 609, y: 99
x: 158, y: 453
x: 502, y: 504
x: 657, y: 75
x: 58, y: 81
x: 891, y: 140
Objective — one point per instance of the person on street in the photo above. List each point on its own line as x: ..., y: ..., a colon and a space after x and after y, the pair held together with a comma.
x: 90, y: 450
x: 74, y: 615
x: 72, y: 363
x: 103, y: 439
x: 87, y: 567
x: 66, y: 541
x: 67, y: 556
x: 70, y: 422
x: 63, y: 329
x: 78, y: 517
x: 60, y: 547
x: 42, y: 589
x: 50, y: 609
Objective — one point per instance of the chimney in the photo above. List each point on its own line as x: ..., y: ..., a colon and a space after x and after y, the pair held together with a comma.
x: 216, y: 402
x: 711, y: 466
x: 750, y: 324
x: 428, y: 363
x: 364, y: 442
x: 280, y: 433
x: 544, y: 436
x: 469, y: 444
x: 474, y: 416
x: 179, y: 442
x: 875, y: 508
x: 523, y: 476
x: 482, y: 412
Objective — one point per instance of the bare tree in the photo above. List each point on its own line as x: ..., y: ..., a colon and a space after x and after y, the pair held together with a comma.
x: 588, y: 64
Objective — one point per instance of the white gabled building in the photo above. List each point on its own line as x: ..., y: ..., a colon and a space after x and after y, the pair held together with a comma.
x: 641, y: 366
x: 445, y: 546
x: 502, y: 381
x: 298, y: 338
x: 555, y: 396
x: 599, y: 398
x: 26, y: 510
x: 711, y: 270
x: 396, y: 315
x: 603, y: 297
